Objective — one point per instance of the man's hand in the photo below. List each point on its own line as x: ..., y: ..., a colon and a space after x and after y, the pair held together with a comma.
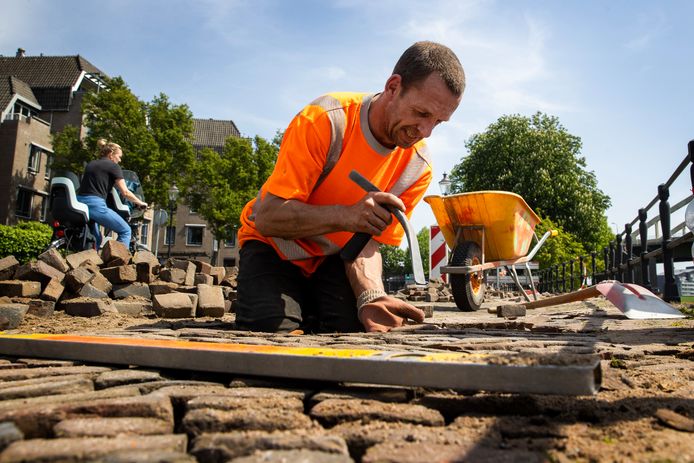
x: 386, y: 313
x: 369, y: 214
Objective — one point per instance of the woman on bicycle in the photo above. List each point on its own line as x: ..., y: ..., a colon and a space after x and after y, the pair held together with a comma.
x: 100, y: 176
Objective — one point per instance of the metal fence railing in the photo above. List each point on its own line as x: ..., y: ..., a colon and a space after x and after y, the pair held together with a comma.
x: 621, y: 262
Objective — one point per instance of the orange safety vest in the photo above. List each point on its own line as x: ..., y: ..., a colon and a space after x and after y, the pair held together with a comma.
x: 326, y: 141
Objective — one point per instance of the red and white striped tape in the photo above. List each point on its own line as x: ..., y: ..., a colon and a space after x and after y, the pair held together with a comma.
x: 437, y: 253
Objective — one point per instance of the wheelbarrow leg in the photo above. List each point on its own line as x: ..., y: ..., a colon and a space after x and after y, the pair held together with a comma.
x: 514, y: 275
x: 530, y: 278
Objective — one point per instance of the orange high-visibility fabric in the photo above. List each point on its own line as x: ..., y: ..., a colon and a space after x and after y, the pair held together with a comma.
x: 301, y: 161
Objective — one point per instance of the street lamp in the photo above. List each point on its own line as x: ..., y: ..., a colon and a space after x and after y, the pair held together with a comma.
x: 173, y: 196
x: 445, y: 185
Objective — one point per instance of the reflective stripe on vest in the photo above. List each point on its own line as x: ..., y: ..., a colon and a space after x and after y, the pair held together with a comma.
x: 338, y: 124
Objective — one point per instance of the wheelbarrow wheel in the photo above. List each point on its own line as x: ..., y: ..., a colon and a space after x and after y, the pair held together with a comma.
x: 467, y: 288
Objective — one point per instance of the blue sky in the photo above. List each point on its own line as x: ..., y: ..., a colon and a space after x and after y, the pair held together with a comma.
x: 618, y: 74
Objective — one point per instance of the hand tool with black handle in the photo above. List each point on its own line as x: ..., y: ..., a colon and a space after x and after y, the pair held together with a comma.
x: 356, y: 244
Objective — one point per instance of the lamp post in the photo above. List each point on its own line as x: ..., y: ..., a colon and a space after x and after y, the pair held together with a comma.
x: 445, y: 185
x: 173, y: 196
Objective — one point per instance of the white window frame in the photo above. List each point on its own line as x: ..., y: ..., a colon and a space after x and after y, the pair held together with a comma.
x: 34, y: 164
x: 191, y: 226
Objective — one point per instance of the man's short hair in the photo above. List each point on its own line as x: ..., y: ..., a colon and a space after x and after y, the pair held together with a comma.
x: 423, y: 58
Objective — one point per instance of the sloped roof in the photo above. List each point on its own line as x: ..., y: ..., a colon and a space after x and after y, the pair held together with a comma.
x: 212, y: 133
x: 47, y: 71
x: 10, y: 86
x: 51, y: 78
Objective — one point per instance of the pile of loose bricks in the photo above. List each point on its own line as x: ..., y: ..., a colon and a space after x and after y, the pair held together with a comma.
x: 436, y: 291
x: 91, y: 283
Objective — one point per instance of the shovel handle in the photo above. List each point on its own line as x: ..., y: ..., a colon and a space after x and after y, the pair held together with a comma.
x: 579, y: 295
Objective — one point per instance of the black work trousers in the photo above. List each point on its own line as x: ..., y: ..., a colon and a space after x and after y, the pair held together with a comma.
x: 273, y: 295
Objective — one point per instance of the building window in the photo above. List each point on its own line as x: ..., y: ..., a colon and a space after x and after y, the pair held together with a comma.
x: 44, y: 208
x: 21, y: 110
x: 144, y: 233
x: 23, y: 208
x: 49, y: 161
x: 194, y: 235
x: 170, y: 237
x: 34, y: 159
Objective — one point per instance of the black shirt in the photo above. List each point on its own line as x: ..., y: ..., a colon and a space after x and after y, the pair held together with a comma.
x: 99, y: 177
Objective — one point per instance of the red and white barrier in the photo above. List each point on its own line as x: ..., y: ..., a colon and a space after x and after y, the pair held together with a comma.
x: 438, y: 255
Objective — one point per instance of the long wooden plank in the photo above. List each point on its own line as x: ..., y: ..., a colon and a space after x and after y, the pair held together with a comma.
x: 444, y: 370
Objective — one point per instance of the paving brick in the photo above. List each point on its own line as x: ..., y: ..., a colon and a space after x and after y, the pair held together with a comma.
x: 38, y: 271
x: 121, y: 274
x: 262, y: 392
x: 361, y: 436
x: 227, y: 446
x: 162, y: 287
x: 134, y: 307
x: 332, y: 411
x: 101, y: 283
x: 87, y: 307
x: 76, y: 278
x: 9, y: 433
x: 203, y: 279
x: 8, y: 265
x: 55, y: 259
x: 148, y: 456
x: 41, y: 308
x: 382, y: 394
x: 145, y: 272
x: 202, y: 267
x: 205, y: 420
x: 302, y: 455
x: 38, y: 420
x: 112, y: 427
x: 234, y: 403
x: 12, y: 315
x: 188, y: 267
x: 173, y: 305
x: 210, y: 301
x: 121, y: 377
x: 88, y: 449
x: 19, y: 288
x: 218, y: 273
x: 78, y: 259
x: 53, y: 290
x: 115, y: 253
x: 89, y: 291
x: 131, y: 290
x: 28, y: 373
x: 45, y: 362
x: 181, y: 394
x: 146, y: 256
x: 38, y: 380
x: 55, y: 386
x: 511, y: 311
x: 173, y: 275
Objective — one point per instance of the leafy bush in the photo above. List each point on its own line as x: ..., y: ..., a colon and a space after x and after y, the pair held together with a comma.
x: 25, y: 240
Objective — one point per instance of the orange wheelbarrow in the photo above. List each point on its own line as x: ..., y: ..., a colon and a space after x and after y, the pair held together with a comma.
x: 485, y: 230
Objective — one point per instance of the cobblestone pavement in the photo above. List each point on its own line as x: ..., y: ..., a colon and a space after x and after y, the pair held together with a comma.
x: 68, y: 411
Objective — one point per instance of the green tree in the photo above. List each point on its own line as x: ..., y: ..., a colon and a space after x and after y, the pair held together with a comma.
x: 220, y: 185
x: 154, y: 137
x: 394, y: 259
x: 538, y: 159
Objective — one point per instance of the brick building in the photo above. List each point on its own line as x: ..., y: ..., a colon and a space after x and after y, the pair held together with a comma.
x: 39, y: 96
x: 191, y: 235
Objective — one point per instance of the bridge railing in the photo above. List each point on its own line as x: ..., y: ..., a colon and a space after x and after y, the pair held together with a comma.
x: 631, y: 257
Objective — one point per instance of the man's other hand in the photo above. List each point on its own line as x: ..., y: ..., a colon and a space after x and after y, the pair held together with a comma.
x: 388, y: 312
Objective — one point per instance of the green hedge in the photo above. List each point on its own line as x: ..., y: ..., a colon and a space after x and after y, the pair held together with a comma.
x: 25, y: 240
